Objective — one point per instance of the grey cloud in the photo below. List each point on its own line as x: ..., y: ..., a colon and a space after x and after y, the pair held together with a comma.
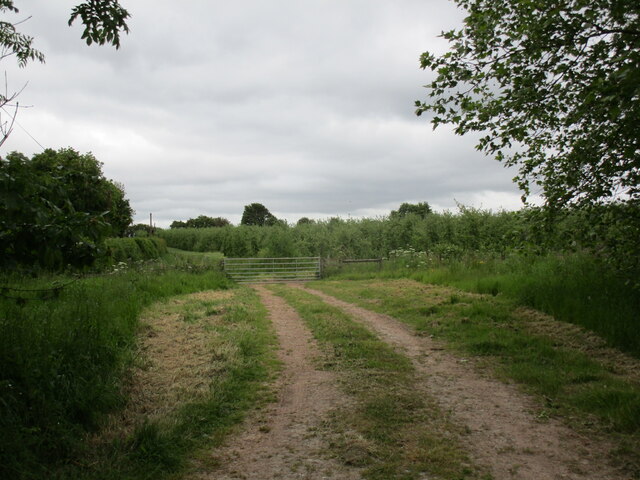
x: 209, y: 105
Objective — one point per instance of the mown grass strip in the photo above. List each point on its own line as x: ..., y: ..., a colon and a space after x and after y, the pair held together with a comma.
x: 242, y: 347
x: 570, y: 383
x: 63, y: 354
x: 392, y: 430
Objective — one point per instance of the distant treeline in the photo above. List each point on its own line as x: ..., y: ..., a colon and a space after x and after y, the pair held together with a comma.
x: 202, y: 221
x: 470, y: 230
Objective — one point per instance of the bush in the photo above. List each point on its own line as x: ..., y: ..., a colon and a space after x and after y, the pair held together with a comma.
x: 56, y: 209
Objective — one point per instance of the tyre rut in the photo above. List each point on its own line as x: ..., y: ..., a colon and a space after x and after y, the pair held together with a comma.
x: 282, y: 441
x: 504, y: 434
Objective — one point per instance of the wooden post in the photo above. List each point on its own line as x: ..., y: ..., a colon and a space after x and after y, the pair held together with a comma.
x: 152, y: 229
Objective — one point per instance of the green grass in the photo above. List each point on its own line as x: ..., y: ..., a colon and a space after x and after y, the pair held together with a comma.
x: 63, y: 354
x: 571, y: 383
x: 242, y: 344
x: 207, y: 258
x: 392, y: 430
x: 575, y: 288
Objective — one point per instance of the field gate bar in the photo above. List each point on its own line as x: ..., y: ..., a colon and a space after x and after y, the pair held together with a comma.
x: 273, y: 270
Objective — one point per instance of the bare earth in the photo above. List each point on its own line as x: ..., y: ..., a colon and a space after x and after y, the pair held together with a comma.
x: 282, y: 442
x: 505, y: 435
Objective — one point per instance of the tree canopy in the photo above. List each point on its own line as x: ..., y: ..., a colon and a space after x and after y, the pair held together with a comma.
x: 257, y: 214
x: 201, y: 221
x: 305, y: 221
x: 56, y: 209
x: 554, y: 89
x: 103, y: 21
x: 421, y: 209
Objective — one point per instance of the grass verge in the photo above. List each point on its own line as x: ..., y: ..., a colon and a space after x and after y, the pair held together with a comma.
x: 575, y: 288
x: 212, y: 357
x: 569, y: 382
x: 64, y: 352
x: 391, y: 430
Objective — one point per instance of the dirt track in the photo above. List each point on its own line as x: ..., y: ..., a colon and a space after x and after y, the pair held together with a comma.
x: 282, y: 442
x: 505, y: 436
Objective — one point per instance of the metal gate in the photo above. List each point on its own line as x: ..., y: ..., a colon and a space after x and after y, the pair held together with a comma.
x: 272, y: 270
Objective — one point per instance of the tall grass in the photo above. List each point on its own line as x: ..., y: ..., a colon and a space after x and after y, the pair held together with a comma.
x: 574, y: 288
x: 62, y: 355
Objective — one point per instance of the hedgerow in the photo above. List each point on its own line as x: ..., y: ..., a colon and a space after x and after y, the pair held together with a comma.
x: 134, y: 249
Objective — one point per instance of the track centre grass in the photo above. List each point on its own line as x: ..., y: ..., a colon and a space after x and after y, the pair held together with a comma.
x: 392, y: 429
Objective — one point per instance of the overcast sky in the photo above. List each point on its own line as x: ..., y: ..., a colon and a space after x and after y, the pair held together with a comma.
x: 304, y: 106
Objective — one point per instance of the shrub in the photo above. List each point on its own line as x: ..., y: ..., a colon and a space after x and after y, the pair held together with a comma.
x: 56, y: 209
